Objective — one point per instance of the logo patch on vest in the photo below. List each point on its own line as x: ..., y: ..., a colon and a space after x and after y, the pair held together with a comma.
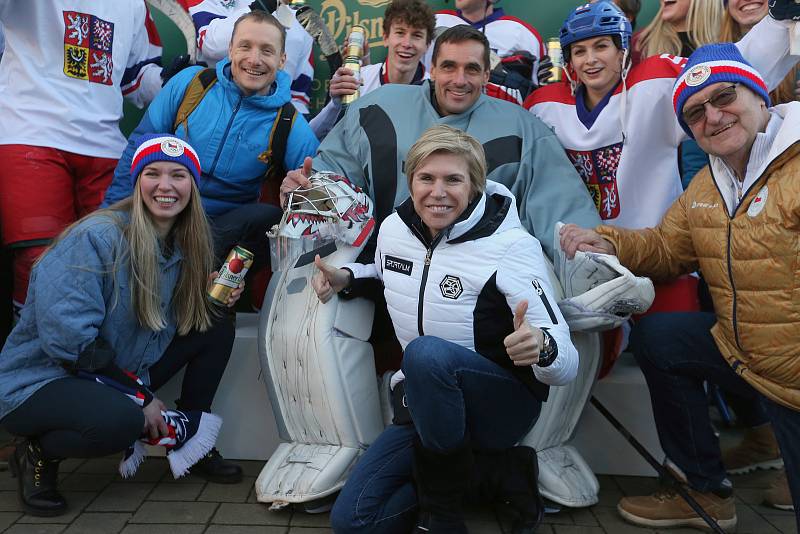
x: 398, y: 265
x: 758, y: 203
x: 451, y: 287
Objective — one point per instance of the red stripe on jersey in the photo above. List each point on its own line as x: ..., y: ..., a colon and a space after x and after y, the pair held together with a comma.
x: 150, y: 26
x: 191, y: 3
x: 653, y: 68
x: 447, y: 12
x: 134, y: 86
x: 560, y: 92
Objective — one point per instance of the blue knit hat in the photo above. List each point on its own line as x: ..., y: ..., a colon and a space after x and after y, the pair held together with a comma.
x: 164, y: 147
x: 710, y: 64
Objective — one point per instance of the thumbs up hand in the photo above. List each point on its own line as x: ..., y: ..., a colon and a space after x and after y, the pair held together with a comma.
x: 328, y: 280
x: 524, y: 344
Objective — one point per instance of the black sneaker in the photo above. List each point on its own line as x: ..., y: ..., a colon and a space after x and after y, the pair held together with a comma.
x: 214, y: 468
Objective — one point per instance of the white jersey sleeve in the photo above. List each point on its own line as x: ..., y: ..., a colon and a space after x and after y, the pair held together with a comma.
x: 142, y: 78
x: 213, y: 21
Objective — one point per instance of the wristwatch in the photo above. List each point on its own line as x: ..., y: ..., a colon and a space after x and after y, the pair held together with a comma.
x: 549, y: 350
x: 347, y: 291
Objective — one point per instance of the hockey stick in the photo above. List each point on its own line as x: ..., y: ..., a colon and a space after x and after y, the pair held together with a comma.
x: 660, y: 469
x: 181, y: 18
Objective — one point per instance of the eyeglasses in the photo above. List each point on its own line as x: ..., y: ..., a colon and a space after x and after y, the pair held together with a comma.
x: 720, y: 99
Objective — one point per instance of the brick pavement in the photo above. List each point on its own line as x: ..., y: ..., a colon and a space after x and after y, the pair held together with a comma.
x: 152, y: 503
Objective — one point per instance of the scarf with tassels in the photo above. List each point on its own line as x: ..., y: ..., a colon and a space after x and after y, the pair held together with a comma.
x: 191, y: 433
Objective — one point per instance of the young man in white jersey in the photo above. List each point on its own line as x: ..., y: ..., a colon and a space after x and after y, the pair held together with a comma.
x: 407, y: 31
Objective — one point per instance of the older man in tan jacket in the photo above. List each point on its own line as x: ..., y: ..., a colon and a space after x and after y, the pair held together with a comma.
x: 739, y: 222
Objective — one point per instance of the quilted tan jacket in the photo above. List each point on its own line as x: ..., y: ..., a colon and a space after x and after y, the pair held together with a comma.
x: 751, y: 261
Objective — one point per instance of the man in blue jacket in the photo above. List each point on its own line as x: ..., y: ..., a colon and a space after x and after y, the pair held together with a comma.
x: 230, y: 127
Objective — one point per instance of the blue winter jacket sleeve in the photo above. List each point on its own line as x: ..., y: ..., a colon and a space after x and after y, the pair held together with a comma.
x: 158, y: 118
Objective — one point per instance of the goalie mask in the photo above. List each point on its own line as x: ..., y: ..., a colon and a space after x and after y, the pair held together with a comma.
x: 333, y: 208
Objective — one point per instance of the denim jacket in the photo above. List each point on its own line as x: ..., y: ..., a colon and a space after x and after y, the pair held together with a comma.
x: 73, y: 299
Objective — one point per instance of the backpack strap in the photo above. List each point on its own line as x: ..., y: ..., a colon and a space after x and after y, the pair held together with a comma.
x: 195, y: 92
x: 275, y: 154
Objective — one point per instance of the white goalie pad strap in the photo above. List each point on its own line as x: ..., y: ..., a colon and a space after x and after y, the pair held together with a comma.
x: 320, y: 374
x: 609, y: 303
x: 178, y: 15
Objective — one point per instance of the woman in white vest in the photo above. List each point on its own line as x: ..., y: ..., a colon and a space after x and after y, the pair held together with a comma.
x: 468, y: 293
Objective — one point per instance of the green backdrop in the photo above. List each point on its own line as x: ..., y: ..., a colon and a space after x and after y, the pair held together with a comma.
x: 340, y: 15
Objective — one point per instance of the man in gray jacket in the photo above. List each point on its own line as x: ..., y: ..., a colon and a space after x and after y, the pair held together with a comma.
x: 370, y: 143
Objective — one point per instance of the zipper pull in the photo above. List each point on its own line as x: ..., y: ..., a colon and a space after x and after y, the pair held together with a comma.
x: 428, y: 256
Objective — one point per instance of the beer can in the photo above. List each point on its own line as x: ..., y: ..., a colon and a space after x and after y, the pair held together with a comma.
x: 352, y: 57
x: 230, y: 275
x: 554, y: 51
x: 297, y: 3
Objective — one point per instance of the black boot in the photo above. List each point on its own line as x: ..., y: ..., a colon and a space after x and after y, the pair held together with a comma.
x: 214, y: 468
x: 37, y: 479
x: 441, y: 480
x: 511, y: 477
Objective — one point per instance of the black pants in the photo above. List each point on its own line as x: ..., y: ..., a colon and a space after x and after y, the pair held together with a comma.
x: 77, y: 418
x: 246, y: 226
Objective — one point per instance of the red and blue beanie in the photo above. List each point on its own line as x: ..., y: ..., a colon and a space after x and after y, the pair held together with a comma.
x: 164, y: 147
x: 710, y: 64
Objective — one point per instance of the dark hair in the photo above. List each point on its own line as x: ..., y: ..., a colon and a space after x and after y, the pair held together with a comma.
x: 460, y: 34
x: 415, y: 13
x: 258, y: 15
x: 631, y: 9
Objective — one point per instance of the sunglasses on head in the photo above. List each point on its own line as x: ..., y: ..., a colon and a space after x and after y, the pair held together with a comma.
x: 720, y: 99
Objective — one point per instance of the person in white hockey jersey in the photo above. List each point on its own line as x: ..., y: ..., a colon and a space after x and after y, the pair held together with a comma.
x: 214, y: 20
x: 407, y: 31
x: 508, y: 37
x: 617, y: 124
x: 67, y: 66
x: 469, y: 295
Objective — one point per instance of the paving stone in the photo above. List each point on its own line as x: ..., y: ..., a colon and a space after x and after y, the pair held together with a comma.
x: 174, y: 512
x: 7, y: 482
x: 240, y: 529
x: 250, y: 514
x: 577, y: 529
x: 100, y: 466
x: 584, y: 517
x: 784, y: 523
x: 309, y: 530
x: 76, y: 502
x: 163, y: 529
x: 300, y: 519
x: 85, y: 482
x: 610, y: 520
x: 251, y: 468
x: 121, y: 497
x: 176, y: 492
x: 103, y: 523
x: 188, y: 479
x: 7, y: 519
x: 564, y: 517
x: 35, y: 529
x: 9, y: 502
x: 228, y: 492
x: 749, y: 522
x: 151, y: 470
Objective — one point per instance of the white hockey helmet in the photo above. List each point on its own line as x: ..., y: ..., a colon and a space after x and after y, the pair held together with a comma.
x: 331, y: 209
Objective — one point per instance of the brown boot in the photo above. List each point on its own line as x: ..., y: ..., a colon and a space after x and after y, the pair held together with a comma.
x: 665, y: 508
x: 757, y: 450
x: 778, y: 495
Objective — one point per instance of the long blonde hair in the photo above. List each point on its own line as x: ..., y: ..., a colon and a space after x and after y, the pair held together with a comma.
x: 731, y: 32
x: 702, y: 25
x: 138, y: 251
